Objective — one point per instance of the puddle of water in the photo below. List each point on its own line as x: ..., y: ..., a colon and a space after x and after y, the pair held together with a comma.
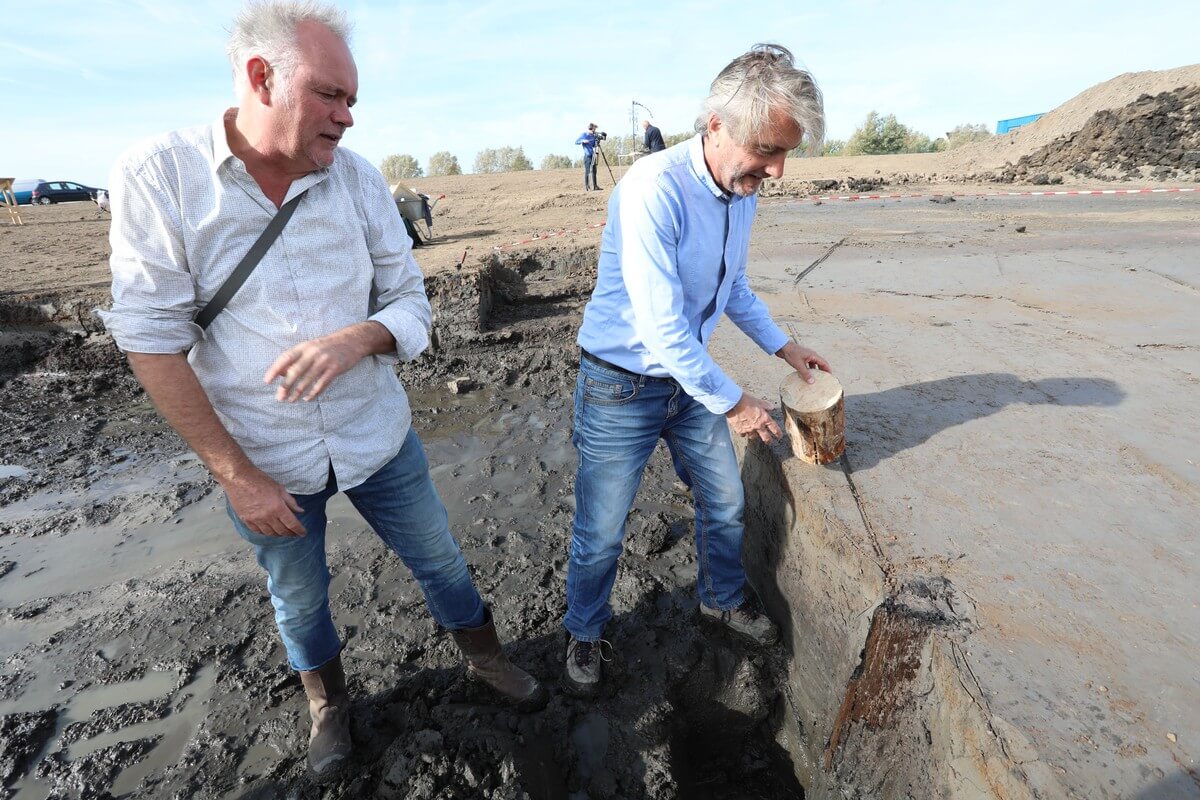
x: 16, y: 634
x: 176, y: 730
x: 79, y: 707
x: 127, y: 476
x: 88, y: 558
x: 149, y: 687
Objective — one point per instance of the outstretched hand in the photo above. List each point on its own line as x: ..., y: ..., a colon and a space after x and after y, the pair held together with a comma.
x: 803, y: 360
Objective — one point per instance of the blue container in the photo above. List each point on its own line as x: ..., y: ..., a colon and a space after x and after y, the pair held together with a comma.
x: 1006, y: 125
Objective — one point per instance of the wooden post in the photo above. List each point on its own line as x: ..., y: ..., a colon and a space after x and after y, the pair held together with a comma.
x: 9, y: 201
x: 814, y: 417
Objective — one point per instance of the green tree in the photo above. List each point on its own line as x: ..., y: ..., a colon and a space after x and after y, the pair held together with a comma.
x: 917, y: 142
x: 444, y: 162
x: 833, y: 147
x: 485, y: 161
x: 399, y: 167
x: 676, y: 138
x: 502, y: 159
x: 556, y: 162
x: 877, y: 135
x: 965, y: 134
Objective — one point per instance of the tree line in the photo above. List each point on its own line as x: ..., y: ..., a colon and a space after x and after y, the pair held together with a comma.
x: 878, y: 135
x: 885, y: 135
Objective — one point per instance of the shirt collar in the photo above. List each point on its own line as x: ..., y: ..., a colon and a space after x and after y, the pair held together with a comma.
x: 222, y: 153
x: 220, y: 140
x: 700, y: 169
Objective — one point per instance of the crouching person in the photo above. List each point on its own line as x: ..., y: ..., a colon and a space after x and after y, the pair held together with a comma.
x: 288, y: 394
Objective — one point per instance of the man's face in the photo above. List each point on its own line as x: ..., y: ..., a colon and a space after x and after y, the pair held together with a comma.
x: 741, y: 168
x: 321, y: 92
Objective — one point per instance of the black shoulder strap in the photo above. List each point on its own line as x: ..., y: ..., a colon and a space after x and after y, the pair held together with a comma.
x: 240, y: 273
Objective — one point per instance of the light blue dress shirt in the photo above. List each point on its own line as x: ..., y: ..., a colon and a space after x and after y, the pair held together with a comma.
x: 661, y: 288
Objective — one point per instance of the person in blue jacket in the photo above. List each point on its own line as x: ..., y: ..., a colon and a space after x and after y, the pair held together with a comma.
x: 589, y: 140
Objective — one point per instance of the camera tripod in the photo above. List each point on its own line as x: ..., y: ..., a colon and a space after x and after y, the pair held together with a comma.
x: 604, y: 158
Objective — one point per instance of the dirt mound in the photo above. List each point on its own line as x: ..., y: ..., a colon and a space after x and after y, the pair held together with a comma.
x: 1070, y: 117
x: 1154, y: 136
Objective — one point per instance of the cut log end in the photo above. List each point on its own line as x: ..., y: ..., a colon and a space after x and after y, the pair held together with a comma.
x: 814, y: 416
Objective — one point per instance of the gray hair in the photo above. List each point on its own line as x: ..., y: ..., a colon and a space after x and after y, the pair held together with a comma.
x: 267, y: 28
x: 763, y: 78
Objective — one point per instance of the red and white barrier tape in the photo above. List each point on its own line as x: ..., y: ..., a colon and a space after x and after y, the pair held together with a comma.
x: 537, y: 237
x: 1061, y: 192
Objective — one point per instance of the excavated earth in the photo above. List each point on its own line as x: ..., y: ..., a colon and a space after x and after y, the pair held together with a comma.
x: 139, y: 650
x: 1156, y: 136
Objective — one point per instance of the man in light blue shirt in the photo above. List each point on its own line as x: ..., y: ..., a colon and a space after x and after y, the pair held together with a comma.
x: 672, y: 260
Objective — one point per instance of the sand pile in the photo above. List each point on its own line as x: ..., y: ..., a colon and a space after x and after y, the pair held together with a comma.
x: 1153, y: 137
x: 1069, y: 117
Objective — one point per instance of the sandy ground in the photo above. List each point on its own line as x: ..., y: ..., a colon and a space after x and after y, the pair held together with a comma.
x: 62, y: 251
x: 1020, y: 421
x: 140, y: 658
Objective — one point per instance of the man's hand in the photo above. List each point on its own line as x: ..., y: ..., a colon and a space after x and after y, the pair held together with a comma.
x: 802, y: 360
x: 308, y: 368
x: 751, y: 417
x: 263, y: 505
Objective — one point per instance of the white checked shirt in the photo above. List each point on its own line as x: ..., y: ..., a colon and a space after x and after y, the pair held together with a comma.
x: 184, y: 213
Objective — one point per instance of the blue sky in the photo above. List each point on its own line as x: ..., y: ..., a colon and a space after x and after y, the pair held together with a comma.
x: 83, y: 80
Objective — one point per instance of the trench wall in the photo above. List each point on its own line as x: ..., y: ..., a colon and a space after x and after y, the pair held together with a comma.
x: 882, y: 699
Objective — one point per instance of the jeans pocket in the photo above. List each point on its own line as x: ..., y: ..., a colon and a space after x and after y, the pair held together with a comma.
x: 608, y: 390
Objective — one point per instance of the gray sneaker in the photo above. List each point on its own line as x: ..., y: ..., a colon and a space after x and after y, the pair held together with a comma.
x: 746, y: 622
x: 583, y: 673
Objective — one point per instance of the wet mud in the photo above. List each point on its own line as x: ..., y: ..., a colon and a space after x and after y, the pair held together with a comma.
x: 139, y: 653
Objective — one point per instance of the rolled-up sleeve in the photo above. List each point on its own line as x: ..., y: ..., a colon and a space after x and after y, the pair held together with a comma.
x: 648, y: 252
x: 398, y: 300
x: 154, y: 296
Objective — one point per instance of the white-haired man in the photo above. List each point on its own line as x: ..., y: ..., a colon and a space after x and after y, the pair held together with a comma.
x: 652, y: 139
x: 672, y: 260
x: 333, y: 304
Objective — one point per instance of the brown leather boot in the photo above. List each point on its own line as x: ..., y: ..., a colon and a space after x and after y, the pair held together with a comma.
x: 329, y: 705
x: 486, y: 661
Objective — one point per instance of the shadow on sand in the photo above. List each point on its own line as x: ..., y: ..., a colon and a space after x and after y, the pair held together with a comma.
x: 906, y: 416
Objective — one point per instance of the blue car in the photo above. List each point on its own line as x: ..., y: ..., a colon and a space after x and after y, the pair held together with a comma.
x: 23, y: 189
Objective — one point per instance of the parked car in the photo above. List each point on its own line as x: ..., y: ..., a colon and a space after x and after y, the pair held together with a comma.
x: 23, y: 189
x: 46, y: 193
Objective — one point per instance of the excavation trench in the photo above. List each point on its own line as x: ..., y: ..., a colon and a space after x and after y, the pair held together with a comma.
x: 140, y: 656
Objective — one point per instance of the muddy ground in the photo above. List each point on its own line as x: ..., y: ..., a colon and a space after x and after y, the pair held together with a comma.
x: 139, y: 650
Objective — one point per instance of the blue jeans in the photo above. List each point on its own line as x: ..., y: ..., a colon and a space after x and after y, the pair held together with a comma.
x: 618, y: 422
x: 402, y: 506
x: 589, y: 171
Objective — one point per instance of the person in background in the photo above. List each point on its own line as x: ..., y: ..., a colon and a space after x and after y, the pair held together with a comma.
x: 589, y: 139
x: 653, y: 140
